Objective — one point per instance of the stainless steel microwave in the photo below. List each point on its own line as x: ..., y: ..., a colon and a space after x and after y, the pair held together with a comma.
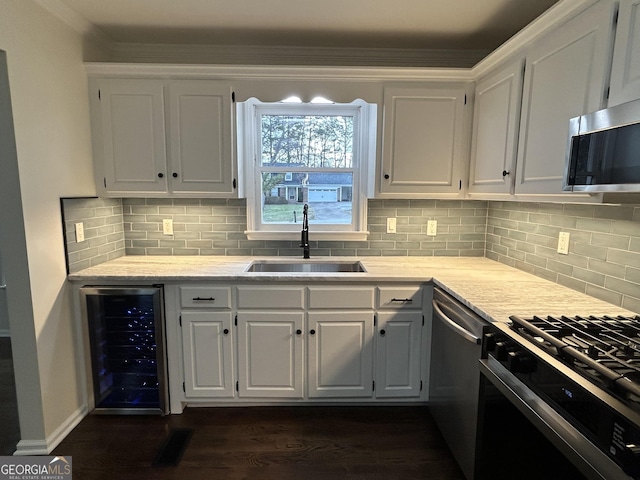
x: 603, y: 154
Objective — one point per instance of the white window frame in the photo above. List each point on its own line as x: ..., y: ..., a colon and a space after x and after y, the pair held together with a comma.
x: 249, y: 149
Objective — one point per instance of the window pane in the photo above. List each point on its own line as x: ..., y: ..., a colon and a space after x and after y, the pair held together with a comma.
x: 315, y: 141
x: 328, y: 194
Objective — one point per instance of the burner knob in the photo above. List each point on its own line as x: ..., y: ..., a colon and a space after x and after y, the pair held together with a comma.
x: 502, y: 352
x: 517, y: 362
x: 489, y: 342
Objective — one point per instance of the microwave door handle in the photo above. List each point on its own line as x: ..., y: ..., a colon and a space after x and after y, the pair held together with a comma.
x: 468, y: 336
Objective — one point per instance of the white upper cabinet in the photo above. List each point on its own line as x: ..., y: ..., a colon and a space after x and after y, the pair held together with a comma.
x: 161, y: 138
x: 566, y: 75
x: 201, y: 137
x: 424, y: 141
x: 496, y: 118
x: 625, y: 72
x: 129, y: 135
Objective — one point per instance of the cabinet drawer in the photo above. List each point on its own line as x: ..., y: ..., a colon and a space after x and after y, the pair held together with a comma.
x: 271, y: 297
x: 205, y: 297
x: 400, y: 297
x: 332, y: 297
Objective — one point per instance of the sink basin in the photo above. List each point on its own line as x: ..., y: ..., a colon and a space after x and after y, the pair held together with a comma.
x: 306, y: 267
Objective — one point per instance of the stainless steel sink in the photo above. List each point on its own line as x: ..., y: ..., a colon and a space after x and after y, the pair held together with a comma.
x: 305, y: 267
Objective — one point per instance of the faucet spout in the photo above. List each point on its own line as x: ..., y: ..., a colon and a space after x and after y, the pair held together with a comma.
x: 304, y: 243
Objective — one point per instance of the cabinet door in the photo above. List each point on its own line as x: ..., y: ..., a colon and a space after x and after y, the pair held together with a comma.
x: 130, y: 140
x: 201, y: 137
x: 270, y: 360
x: 423, y: 141
x: 625, y: 70
x: 208, y: 354
x: 399, y: 336
x: 340, y: 354
x: 496, y: 119
x: 565, y: 76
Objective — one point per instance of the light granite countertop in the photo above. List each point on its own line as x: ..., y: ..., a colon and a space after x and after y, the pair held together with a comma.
x: 492, y: 289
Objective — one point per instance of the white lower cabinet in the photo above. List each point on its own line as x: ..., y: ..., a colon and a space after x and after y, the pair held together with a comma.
x: 207, y: 344
x: 270, y: 354
x: 340, y: 354
x: 398, y: 360
x: 297, y: 343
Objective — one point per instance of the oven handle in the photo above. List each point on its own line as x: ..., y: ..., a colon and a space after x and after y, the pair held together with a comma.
x: 468, y: 336
x: 587, y: 457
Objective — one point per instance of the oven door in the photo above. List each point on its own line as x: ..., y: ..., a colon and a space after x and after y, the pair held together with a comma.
x: 521, y: 436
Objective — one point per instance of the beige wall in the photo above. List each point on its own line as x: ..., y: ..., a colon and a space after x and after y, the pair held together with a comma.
x: 51, y: 120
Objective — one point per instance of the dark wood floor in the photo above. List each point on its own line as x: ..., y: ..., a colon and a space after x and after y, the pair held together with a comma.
x: 266, y: 443
x: 10, y: 428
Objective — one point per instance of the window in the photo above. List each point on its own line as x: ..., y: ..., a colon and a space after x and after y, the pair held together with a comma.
x: 314, y: 154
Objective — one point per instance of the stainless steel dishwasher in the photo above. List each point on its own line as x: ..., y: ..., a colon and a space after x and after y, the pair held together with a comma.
x: 455, y: 376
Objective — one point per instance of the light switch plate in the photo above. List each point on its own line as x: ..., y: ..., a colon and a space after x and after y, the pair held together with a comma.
x: 432, y: 228
x: 563, y: 243
x: 79, y: 232
x: 391, y: 225
x: 167, y: 226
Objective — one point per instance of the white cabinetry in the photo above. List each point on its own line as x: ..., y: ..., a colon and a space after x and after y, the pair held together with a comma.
x: 270, y: 342
x: 158, y: 138
x: 566, y: 75
x: 625, y: 70
x: 424, y: 143
x: 129, y: 135
x: 399, y: 338
x: 270, y: 354
x: 207, y: 341
x: 340, y: 342
x: 496, y: 118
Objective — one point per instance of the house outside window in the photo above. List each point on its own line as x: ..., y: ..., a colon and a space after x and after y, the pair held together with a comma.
x: 300, y: 154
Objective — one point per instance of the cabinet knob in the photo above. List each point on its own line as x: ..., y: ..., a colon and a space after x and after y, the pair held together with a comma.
x: 382, y: 332
x: 175, y: 175
x: 386, y: 176
x: 226, y: 331
x: 160, y: 175
x: 505, y: 173
x: 298, y: 332
x: 312, y: 332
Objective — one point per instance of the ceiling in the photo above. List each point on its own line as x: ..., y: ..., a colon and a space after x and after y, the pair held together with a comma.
x: 410, y: 24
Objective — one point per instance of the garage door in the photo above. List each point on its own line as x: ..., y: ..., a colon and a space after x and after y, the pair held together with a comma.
x: 323, y: 195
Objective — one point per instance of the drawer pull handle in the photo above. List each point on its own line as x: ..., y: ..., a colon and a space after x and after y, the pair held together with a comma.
x: 403, y: 300
x: 383, y: 332
x: 312, y: 332
x: 204, y: 299
x: 226, y: 331
x: 298, y: 332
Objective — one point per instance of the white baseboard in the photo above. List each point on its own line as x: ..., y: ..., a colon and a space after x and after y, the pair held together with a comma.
x: 46, y: 446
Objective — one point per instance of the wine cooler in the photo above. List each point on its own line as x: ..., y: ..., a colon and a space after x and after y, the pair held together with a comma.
x: 128, y: 361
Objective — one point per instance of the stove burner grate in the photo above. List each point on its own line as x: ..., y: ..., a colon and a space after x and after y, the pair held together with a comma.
x: 606, y: 349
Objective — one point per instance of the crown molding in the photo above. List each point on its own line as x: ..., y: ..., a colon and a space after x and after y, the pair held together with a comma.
x: 69, y: 17
x: 552, y: 18
x: 276, y: 72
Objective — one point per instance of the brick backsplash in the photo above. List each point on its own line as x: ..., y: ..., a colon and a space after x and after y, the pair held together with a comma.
x: 216, y: 227
x: 103, y: 231
x: 604, y: 246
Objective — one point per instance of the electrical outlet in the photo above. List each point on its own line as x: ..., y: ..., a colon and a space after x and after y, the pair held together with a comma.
x: 167, y: 226
x: 391, y: 225
x: 563, y: 243
x: 79, y: 232
x: 432, y: 228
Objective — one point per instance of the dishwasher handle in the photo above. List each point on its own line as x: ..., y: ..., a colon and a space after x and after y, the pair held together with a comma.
x: 468, y: 336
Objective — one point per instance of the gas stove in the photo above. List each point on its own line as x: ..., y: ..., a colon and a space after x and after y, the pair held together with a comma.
x: 605, y: 350
x: 587, y: 371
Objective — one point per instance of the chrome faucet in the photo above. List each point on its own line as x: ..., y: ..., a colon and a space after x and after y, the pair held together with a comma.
x: 304, y: 243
